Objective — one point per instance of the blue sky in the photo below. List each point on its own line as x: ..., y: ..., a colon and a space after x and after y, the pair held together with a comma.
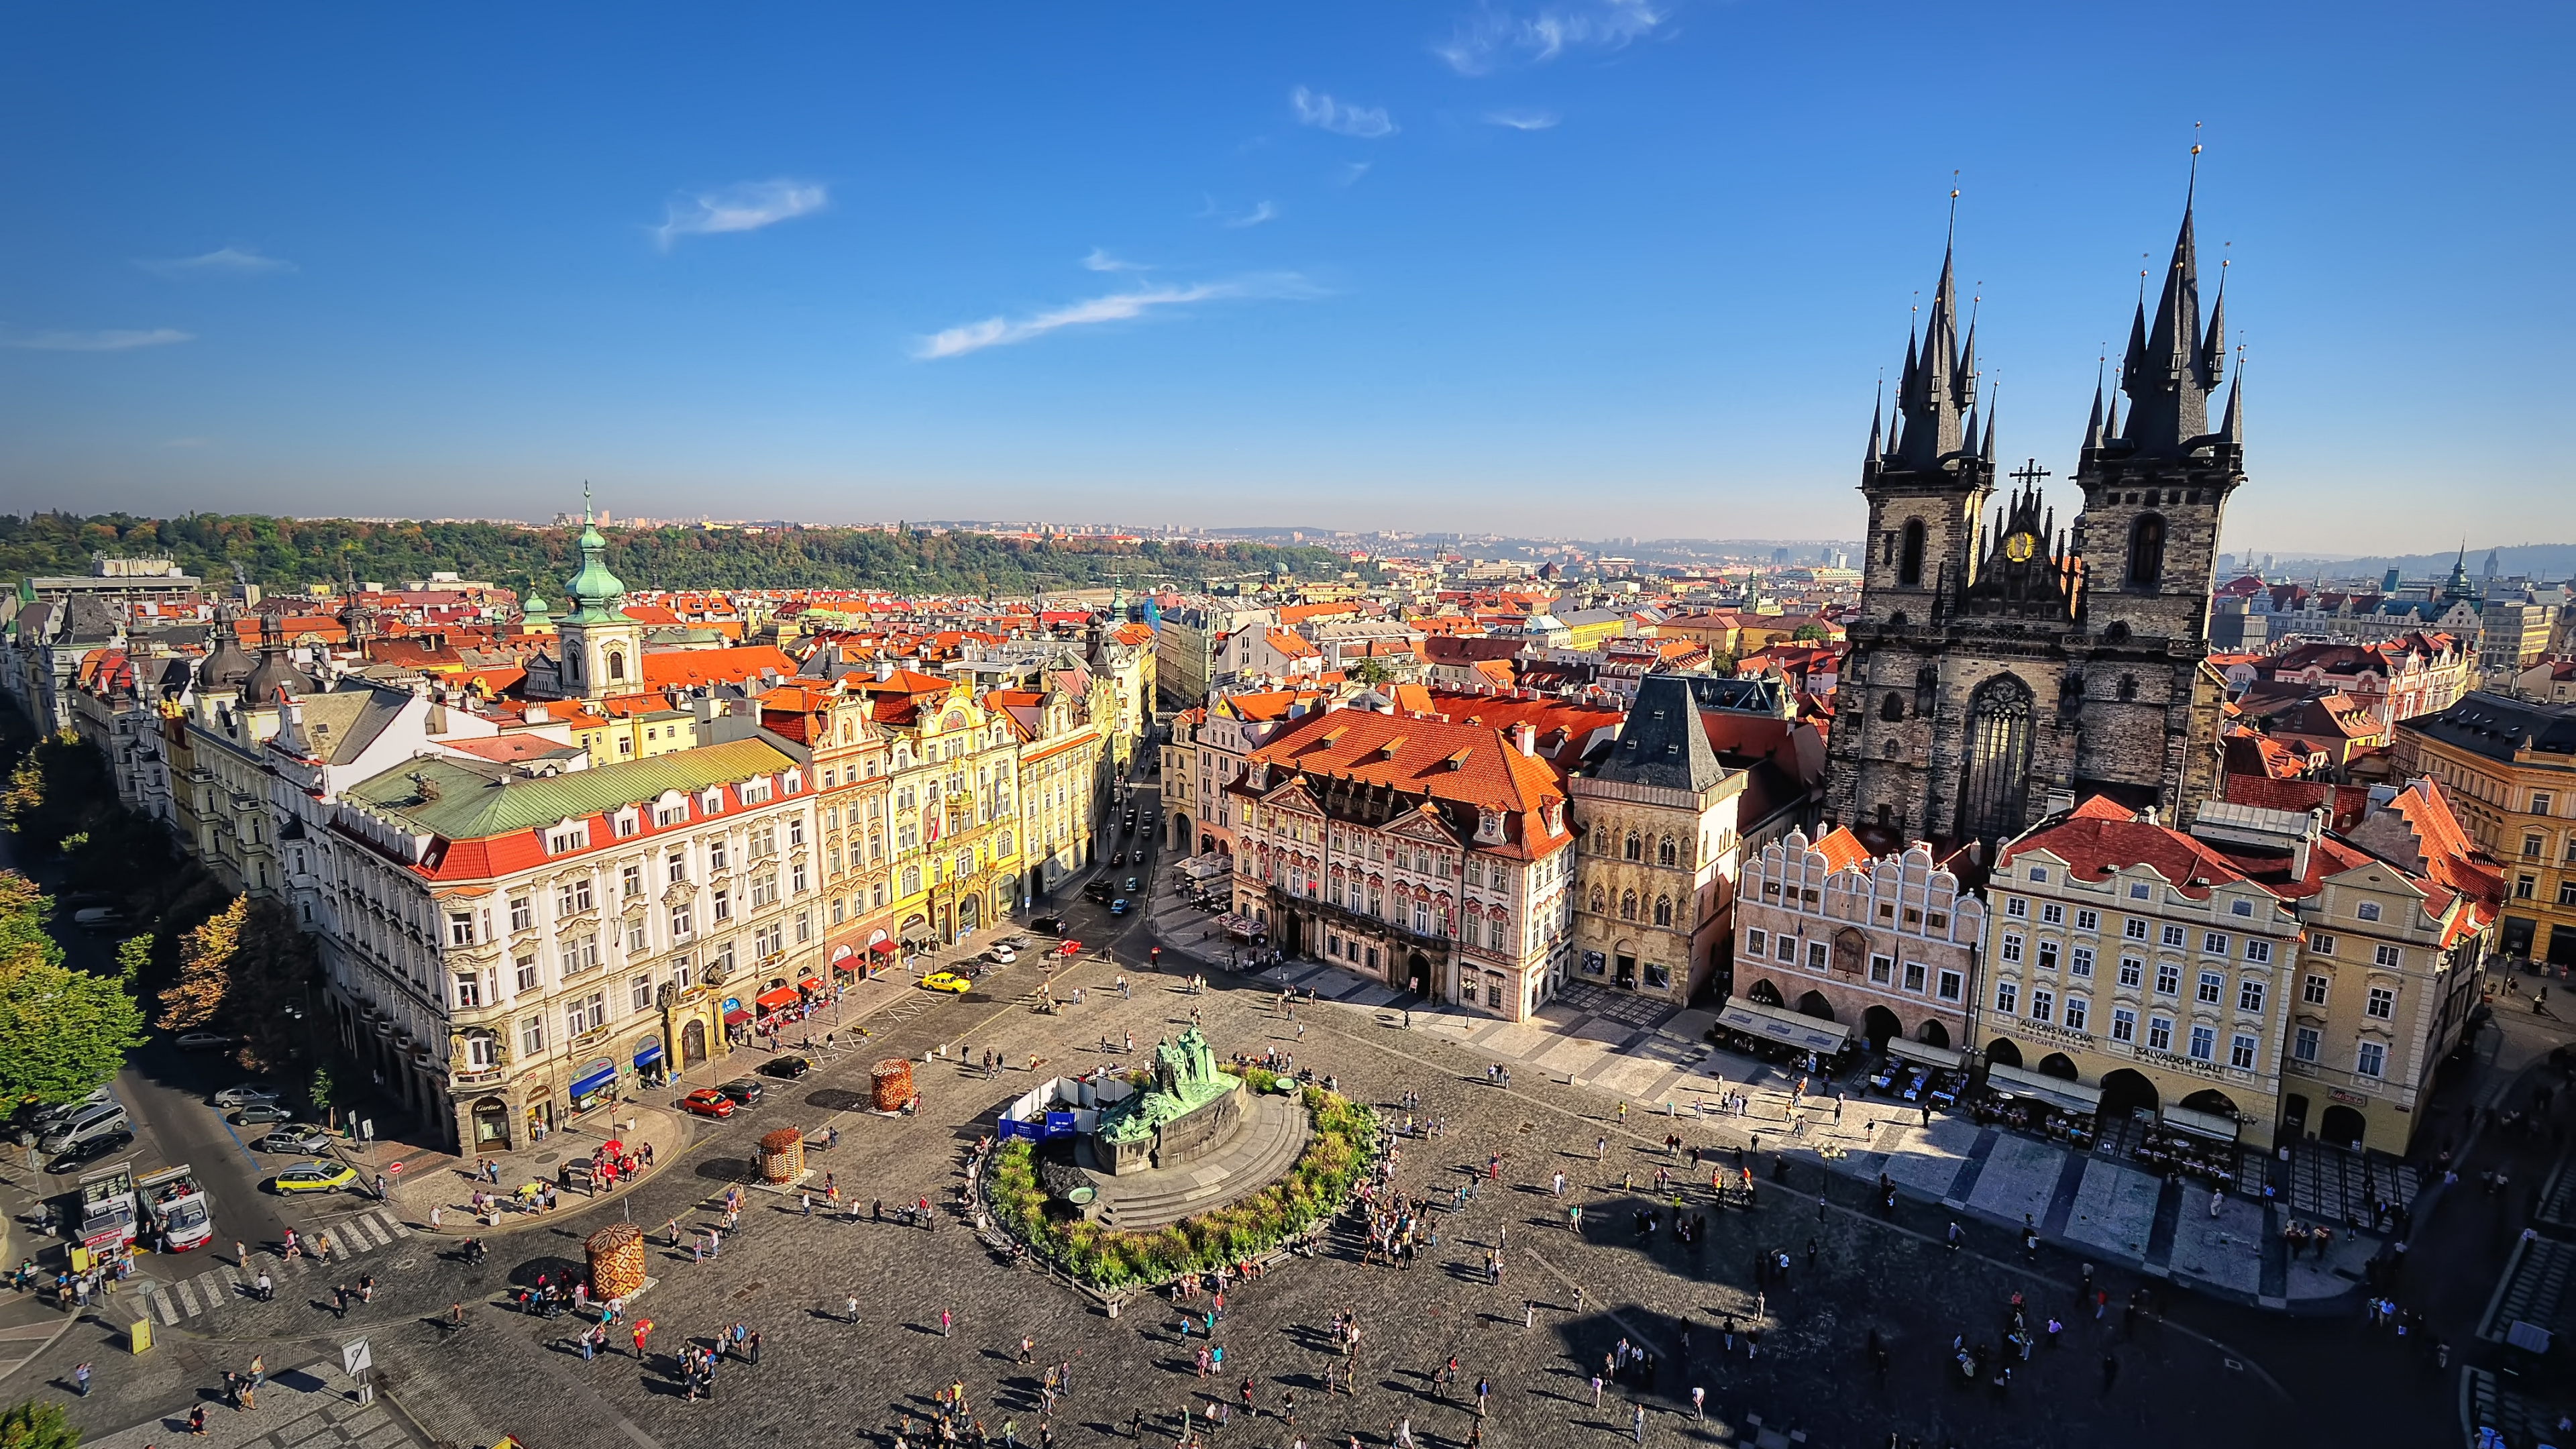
x: 1580, y: 268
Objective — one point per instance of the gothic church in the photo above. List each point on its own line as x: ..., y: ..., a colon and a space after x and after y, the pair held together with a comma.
x: 2000, y: 660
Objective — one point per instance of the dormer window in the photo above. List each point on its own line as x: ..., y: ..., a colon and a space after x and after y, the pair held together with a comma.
x: 712, y: 803
x: 630, y: 821
x: 568, y: 837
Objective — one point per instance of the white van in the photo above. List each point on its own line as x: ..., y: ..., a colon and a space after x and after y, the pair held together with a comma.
x: 95, y: 1121
x: 47, y: 1119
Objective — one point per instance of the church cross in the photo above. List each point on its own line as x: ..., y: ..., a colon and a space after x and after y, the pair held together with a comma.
x: 2028, y: 474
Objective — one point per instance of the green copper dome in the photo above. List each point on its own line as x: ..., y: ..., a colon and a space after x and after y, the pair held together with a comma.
x: 594, y: 590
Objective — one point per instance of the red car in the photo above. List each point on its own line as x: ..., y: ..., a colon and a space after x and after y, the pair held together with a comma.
x: 707, y: 1102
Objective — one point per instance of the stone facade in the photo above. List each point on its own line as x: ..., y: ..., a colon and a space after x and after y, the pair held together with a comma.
x: 1888, y: 946
x: 1999, y: 660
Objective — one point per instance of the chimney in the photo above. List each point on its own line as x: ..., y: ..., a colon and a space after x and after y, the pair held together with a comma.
x: 2060, y: 801
x: 538, y: 714
x: 1525, y: 738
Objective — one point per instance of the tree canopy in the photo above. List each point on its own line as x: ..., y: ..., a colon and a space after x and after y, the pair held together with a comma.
x: 62, y: 1032
x: 291, y: 552
x: 245, y: 968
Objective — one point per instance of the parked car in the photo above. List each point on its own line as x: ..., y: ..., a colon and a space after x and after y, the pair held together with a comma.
x: 1016, y: 943
x: 46, y: 1118
x: 261, y: 1114
x: 948, y: 981
x: 1052, y: 925
x: 314, y: 1176
x: 82, y: 1154
x: 98, y: 918
x: 198, y: 1041
x: 299, y: 1138
x: 788, y: 1068
x: 244, y: 1095
x: 1096, y: 889
x: 743, y: 1090
x: 1002, y: 955
x: 707, y: 1102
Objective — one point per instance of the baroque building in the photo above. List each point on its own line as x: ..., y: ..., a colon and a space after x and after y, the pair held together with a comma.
x: 1999, y: 659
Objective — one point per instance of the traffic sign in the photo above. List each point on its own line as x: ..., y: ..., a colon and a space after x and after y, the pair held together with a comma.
x: 393, y: 1169
x: 355, y: 1360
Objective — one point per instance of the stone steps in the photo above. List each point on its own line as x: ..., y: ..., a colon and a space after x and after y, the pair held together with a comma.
x: 1267, y: 1148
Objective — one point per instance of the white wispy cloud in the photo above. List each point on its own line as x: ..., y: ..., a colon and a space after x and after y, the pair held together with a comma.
x: 95, y: 339
x: 1261, y: 212
x: 1116, y: 307
x: 746, y: 206
x: 1523, y: 120
x: 1101, y: 261
x: 1350, y: 173
x: 1316, y: 109
x: 221, y: 262
x: 1495, y: 37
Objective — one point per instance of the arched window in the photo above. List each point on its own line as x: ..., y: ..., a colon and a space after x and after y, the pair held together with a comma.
x: 912, y: 880
x: 1666, y: 853
x: 616, y: 664
x: 1892, y: 708
x: 1663, y: 910
x: 1627, y: 905
x: 1599, y: 901
x: 1996, y: 792
x: 1927, y: 690
x: 2147, y: 552
x: 1636, y: 846
x: 1909, y: 555
x: 1600, y: 840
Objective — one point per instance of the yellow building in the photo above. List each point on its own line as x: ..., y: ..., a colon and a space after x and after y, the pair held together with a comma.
x: 2509, y: 767
x: 953, y: 824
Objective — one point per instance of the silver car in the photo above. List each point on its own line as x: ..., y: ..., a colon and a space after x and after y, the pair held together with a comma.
x: 296, y: 1139
x: 244, y: 1095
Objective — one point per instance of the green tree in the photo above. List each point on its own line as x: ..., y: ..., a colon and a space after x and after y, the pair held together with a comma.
x: 132, y: 955
x: 37, y: 1424
x: 24, y: 941
x: 1371, y: 671
x: 1810, y: 634
x: 62, y: 1032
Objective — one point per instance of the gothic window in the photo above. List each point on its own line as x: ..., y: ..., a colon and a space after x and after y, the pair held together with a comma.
x: 2146, y: 552
x: 1600, y: 840
x: 1892, y: 708
x: 1666, y: 853
x: 1599, y: 901
x: 1663, y: 910
x: 1627, y: 905
x: 2128, y: 686
x: 1927, y: 690
x: 1909, y: 560
x: 1997, y: 787
x: 1636, y: 846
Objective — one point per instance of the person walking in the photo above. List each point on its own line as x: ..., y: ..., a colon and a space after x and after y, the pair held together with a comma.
x: 1955, y: 1235
x: 1699, y: 1402
x: 80, y: 1376
x: 947, y: 1325
x: 1637, y: 1421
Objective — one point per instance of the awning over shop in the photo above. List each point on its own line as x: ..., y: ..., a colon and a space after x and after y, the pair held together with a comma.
x: 2056, y: 1091
x: 1944, y: 1058
x: 810, y: 983
x: 600, y: 1077
x: 647, y: 1054
x: 1202, y: 867
x: 736, y: 1017
x: 885, y: 948
x: 1806, y: 1033
x: 772, y: 1000
x: 2205, y: 1124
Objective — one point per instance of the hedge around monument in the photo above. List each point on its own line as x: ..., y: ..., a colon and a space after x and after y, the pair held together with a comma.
x: 1343, y: 1143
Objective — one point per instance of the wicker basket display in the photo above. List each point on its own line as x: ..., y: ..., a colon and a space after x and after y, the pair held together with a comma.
x: 893, y: 1084
x: 782, y: 1155
x: 616, y: 1260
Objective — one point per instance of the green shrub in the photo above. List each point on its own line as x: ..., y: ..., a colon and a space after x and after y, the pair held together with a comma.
x: 1342, y: 1143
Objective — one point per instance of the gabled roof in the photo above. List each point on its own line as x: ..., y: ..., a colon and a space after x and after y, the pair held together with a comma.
x: 1664, y: 745
x: 471, y: 800
x: 693, y: 667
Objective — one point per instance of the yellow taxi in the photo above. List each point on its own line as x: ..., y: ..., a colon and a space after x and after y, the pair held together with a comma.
x: 948, y: 981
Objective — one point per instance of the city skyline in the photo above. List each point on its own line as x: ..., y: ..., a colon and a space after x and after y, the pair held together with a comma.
x: 1369, y: 270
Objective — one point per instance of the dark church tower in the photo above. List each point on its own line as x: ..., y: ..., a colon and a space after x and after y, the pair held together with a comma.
x: 1998, y: 663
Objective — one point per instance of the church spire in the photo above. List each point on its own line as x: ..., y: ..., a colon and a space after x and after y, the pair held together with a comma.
x: 1986, y: 450
x: 2168, y: 377
x: 1938, y: 378
x: 2232, y: 430
x: 1877, y: 414
x: 2093, y: 428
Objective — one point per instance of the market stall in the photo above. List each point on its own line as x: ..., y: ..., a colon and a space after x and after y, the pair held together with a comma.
x: 2199, y: 1145
x: 1918, y: 1072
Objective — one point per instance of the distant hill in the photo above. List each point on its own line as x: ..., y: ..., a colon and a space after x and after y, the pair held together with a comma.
x: 289, y: 552
x: 2550, y: 562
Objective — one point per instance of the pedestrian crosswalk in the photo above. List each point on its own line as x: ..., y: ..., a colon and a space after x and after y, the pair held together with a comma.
x: 204, y: 1293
